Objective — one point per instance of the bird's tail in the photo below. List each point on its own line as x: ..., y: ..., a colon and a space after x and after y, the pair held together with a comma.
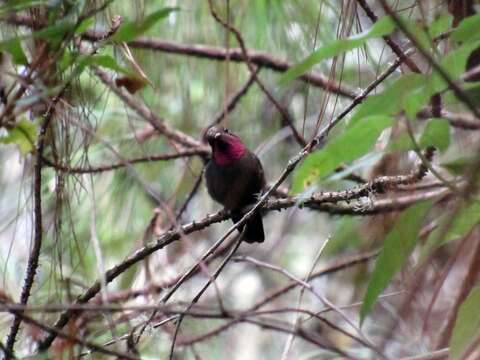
x: 254, y: 228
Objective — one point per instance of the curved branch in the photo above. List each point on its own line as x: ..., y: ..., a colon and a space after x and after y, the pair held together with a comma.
x: 258, y: 58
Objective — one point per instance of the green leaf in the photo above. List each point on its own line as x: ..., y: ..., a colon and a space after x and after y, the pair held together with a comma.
x: 382, y: 27
x: 473, y: 92
x: 24, y: 134
x: 382, y: 103
x: 56, y: 32
x: 53, y: 34
x: 84, y: 25
x: 14, y: 48
x: 66, y: 60
x: 421, y: 36
x: 436, y: 133
x: 417, y: 99
x: 401, y: 143
x: 367, y: 161
x: 440, y: 25
x: 19, y: 5
x: 458, y: 166
x: 465, y: 331
x: 455, y: 62
x: 131, y: 30
x: 419, y: 94
x: 398, y: 246
x: 467, y: 30
x: 466, y: 218
x: 354, y: 142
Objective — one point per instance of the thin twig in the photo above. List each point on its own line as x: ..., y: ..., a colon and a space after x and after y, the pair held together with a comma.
x: 234, y: 99
x: 457, y: 90
x: 434, y: 355
x: 253, y: 71
x: 291, y: 338
x: 204, y: 288
x: 390, y: 42
x: 190, y: 196
x: 147, y: 114
x: 468, y: 283
x: 108, y: 167
x: 76, y: 339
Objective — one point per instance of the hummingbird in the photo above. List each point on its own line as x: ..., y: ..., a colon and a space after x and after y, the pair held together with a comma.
x: 235, y: 178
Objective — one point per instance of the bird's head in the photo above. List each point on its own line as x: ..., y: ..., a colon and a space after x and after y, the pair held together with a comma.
x: 226, y: 147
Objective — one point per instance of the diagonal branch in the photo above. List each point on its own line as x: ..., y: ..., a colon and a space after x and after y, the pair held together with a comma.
x: 144, y: 112
x: 457, y: 90
x: 235, y: 98
x: 73, y: 338
x: 390, y: 42
x: 203, y: 289
x: 285, y: 115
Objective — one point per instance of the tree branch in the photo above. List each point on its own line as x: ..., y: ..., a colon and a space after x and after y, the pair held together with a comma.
x: 234, y: 99
x: 390, y: 42
x: 32, y: 264
x: 144, y: 112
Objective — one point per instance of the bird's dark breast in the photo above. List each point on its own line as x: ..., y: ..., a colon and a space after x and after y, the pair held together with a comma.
x: 236, y: 185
